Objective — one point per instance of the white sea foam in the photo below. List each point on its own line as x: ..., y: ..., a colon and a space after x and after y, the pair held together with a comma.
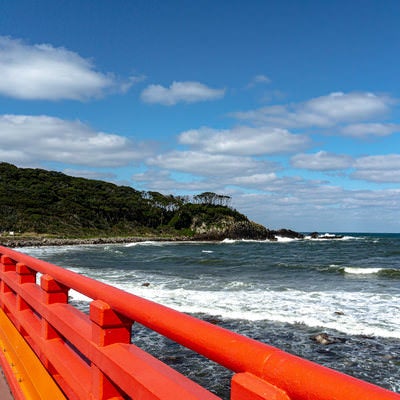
x: 282, y: 239
x: 43, y: 251
x: 331, y: 236
x: 145, y: 243
x: 78, y: 296
x: 362, y: 271
x: 352, y: 313
x: 230, y: 241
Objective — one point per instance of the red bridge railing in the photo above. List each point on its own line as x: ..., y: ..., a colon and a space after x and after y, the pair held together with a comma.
x: 90, y: 356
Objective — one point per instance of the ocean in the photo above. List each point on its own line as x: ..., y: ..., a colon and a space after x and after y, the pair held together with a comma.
x: 282, y: 293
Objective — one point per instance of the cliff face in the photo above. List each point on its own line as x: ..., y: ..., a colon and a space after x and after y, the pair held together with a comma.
x: 232, y: 229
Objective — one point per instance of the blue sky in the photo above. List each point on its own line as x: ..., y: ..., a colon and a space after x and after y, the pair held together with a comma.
x: 290, y: 107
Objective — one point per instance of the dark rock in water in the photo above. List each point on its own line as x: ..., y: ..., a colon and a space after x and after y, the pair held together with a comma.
x: 339, y: 312
x: 247, y: 230
x: 212, y: 320
x: 325, y: 339
x: 288, y: 233
x: 174, y: 360
x: 231, y: 229
x: 146, y: 284
x: 316, y: 235
x: 322, y: 338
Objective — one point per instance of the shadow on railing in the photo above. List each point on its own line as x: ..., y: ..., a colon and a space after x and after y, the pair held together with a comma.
x: 90, y: 356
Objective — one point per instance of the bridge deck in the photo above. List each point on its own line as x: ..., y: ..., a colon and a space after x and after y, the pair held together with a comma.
x: 5, y: 393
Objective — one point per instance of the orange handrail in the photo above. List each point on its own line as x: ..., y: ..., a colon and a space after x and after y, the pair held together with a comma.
x: 90, y: 356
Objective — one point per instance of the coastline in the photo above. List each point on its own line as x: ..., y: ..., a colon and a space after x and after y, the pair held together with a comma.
x: 13, y: 242
x: 37, y: 240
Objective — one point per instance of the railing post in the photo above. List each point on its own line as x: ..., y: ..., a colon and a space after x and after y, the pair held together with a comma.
x: 24, y: 275
x: 108, y: 327
x: 246, y: 386
x: 6, y: 264
x: 52, y: 292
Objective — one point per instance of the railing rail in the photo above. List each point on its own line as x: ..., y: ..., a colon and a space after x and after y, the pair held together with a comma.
x: 91, y: 356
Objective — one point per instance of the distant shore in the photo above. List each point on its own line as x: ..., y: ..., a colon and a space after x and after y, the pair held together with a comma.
x: 36, y: 240
x: 45, y: 241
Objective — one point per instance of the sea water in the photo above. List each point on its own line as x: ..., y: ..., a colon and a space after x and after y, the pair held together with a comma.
x: 282, y: 293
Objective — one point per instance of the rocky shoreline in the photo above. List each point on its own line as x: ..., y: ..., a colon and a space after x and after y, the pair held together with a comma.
x: 26, y: 241
x: 270, y: 235
x: 36, y: 242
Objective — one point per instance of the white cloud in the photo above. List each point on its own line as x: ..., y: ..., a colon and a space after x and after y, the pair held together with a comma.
x: 255, y: 180
x: 323, y: 208
x: 203, y: 164
x: 244, y: 140
x: 379, y: 162
x: 26, y: 139
x: 378, y: 176
x: 371, y: 129
x: 321, y: 161
x: 163, y: 181
x: 44, y: 72
x: 324, y: 111
x: 379, y: 168
x: 344, y: 107
x: 187, y: 92
x: 259, y: 79
x: 132, y: 80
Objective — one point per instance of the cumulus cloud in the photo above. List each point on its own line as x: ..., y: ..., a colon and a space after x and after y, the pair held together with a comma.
x: 378, y: 176
x: 44, y: 72
x: 186, y: 92
x: 378, y: 168
x: 203, y: 164
x: 321, y: 207
x: 254, y: 180
x: 166, y: 182
x: 201, y: 176
x: 26, y: 139
x: 322, y: 161
x: 244, y: 140
x: 379, y: 162
x: 370, y: 129
x: 324, y: 111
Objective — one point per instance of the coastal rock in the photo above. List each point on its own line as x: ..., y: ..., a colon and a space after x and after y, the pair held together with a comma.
x: 288, y: 233
x: 325, y: 339
x: 248, y: 230
x: 316, y: 235
x: 339, y: 313
x: 232, y: 229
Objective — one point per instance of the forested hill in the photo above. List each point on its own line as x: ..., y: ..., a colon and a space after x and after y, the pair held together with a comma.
x: 45, y: 202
